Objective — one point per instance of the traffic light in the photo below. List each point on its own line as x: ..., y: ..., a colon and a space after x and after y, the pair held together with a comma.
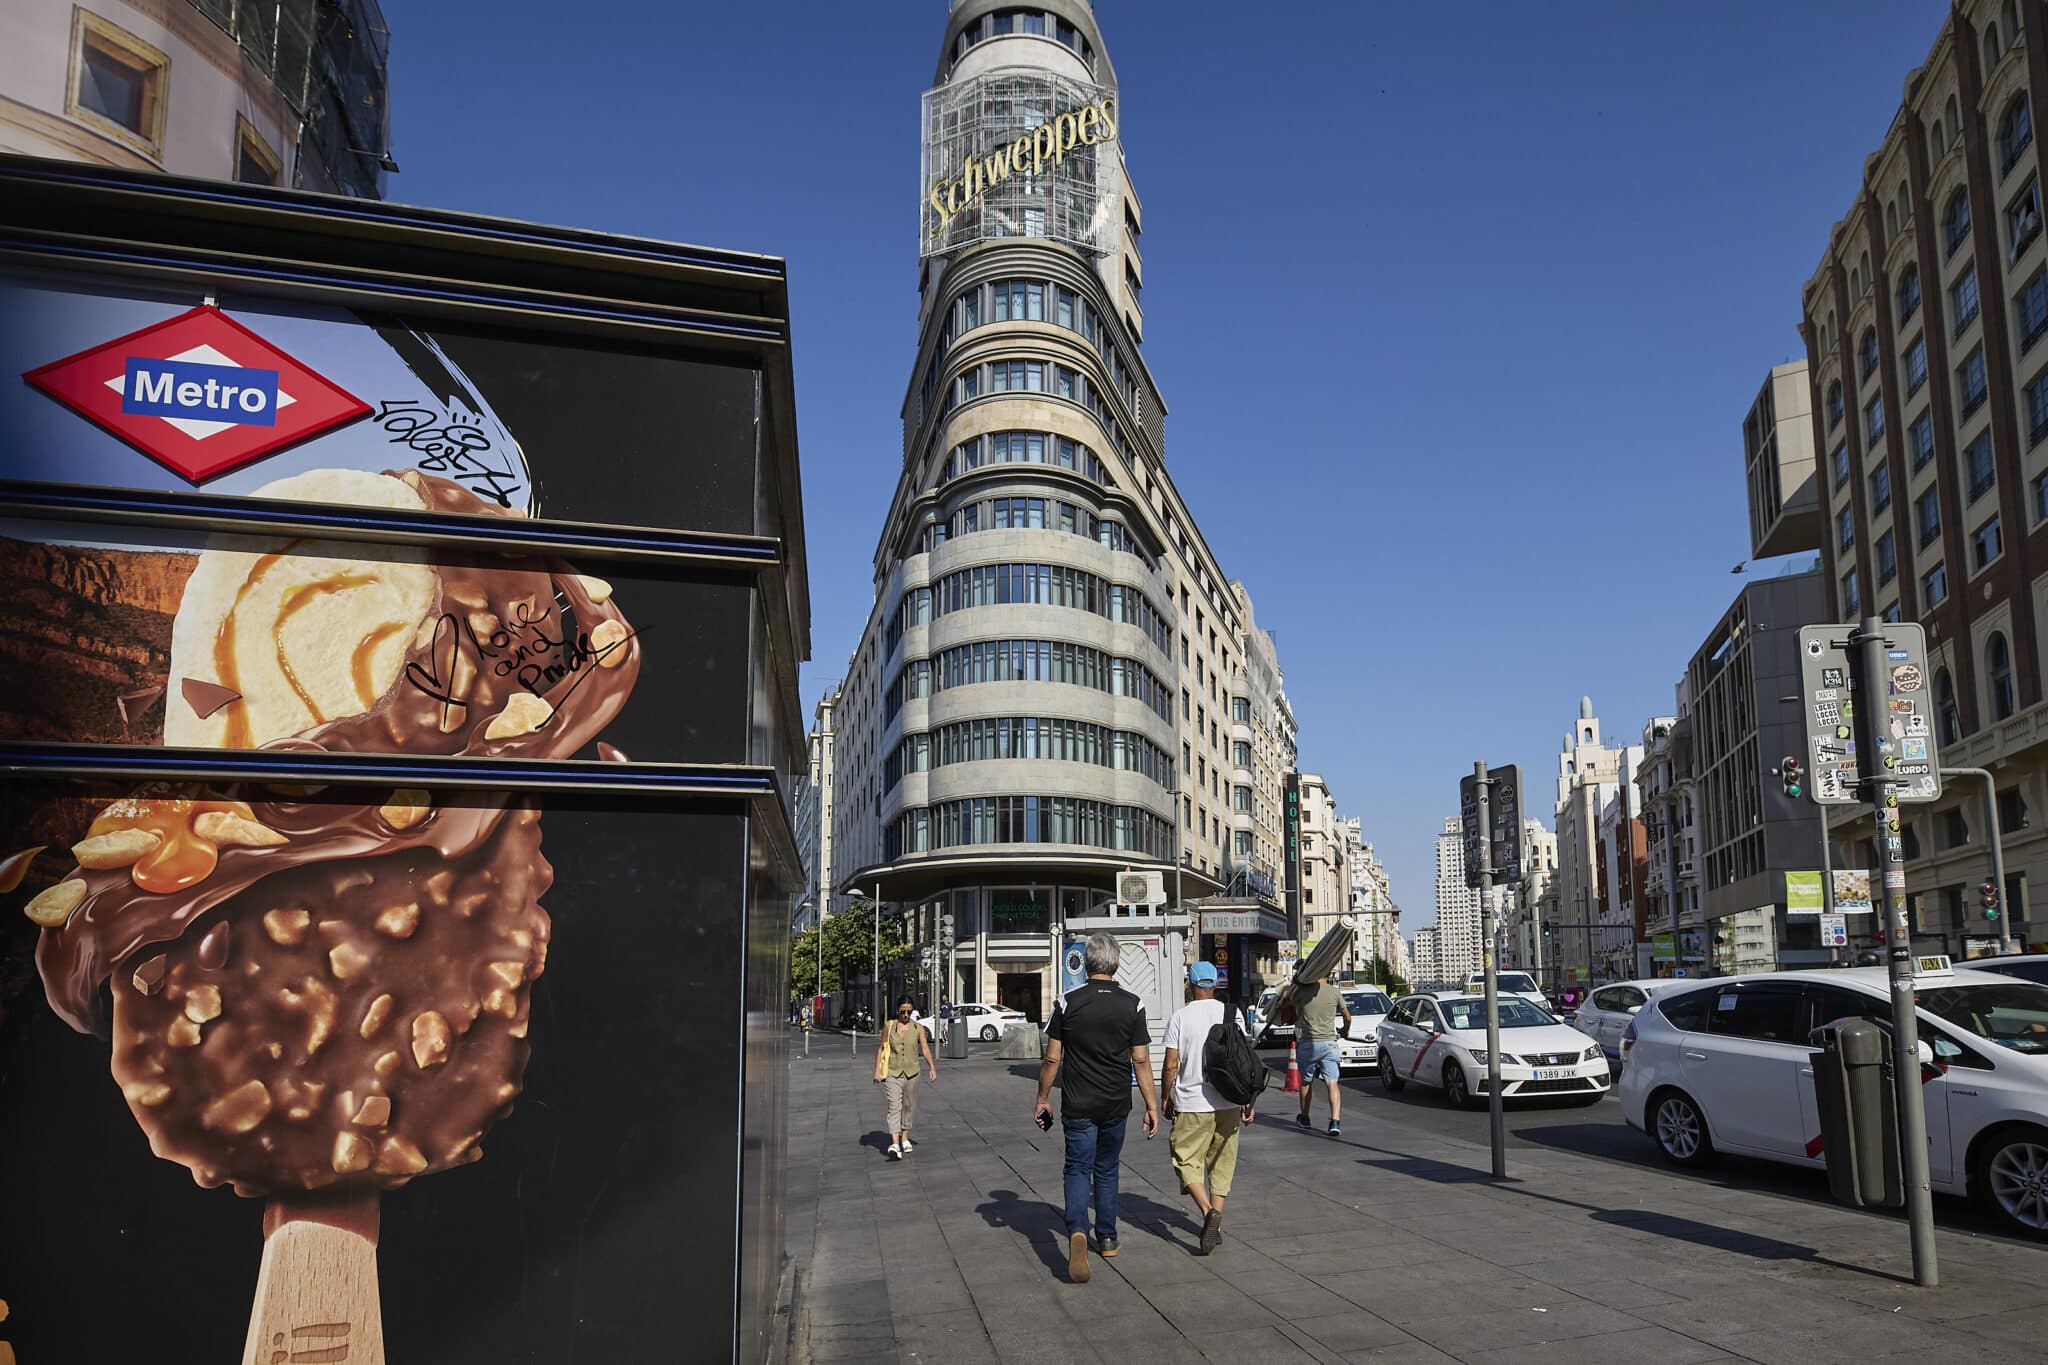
x: 945, y: 931
x: 1989, y: 891
x: 1789, y: 773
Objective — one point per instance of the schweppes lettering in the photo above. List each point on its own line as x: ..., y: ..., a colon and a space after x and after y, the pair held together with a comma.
x: 1028, y: 154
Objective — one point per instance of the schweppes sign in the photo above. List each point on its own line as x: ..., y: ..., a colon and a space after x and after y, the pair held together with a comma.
x: 1028, y: 154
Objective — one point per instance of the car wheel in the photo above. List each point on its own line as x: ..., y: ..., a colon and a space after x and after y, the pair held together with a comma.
x: 2012, y: 1176
x: 988, y: 1033
x: 1680, y: 1129
x: 1455, y: 1089
x: 1389, y: 1077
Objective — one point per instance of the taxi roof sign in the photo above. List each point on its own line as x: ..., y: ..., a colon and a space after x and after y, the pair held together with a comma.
x: 1933, y: 964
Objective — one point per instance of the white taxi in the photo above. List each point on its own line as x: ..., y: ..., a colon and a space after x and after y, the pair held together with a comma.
x: 1518, y: 984
x: 1728, y: 1067
x: 1359, y: 1046
x: 1441, y: 1041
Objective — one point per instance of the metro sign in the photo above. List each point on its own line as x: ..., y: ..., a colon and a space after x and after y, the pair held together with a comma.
x: 198, y: 393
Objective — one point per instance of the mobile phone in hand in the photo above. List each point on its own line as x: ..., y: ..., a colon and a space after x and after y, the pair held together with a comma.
x: 1043, y: 1118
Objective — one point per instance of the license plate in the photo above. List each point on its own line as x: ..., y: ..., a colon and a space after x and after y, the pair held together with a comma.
x: 1553, y: 1073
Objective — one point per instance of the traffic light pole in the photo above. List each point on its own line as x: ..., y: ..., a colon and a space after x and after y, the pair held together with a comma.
x: 1867, y: 651
x: 1489, y: 921
x: 1997, y: 851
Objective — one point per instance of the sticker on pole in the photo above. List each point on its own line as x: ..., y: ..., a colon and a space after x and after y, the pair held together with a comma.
x: 198, y: 393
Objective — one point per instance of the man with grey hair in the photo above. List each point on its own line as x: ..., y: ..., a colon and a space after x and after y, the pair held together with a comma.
x: 1097, y: 1041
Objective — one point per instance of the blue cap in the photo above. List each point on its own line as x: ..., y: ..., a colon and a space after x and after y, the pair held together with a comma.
x: 1202, y: 974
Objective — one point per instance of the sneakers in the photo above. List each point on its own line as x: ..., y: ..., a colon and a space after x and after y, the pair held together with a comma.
x: 1106, y: 1245
x: 1333, y: 1129
x: 895, y: 1152
x: 909, y: 1146
x: 1212, y: 1234
x: 1301, y: 1120
x: 1077, y: 1257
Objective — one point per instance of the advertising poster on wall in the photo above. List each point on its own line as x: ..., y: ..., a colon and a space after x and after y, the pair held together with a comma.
x: 380, y: 1044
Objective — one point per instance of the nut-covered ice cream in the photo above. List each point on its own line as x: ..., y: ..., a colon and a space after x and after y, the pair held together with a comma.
x: 330, y: 989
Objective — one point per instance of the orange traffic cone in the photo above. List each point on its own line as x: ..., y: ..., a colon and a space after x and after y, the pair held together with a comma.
x: 1293, y: 1072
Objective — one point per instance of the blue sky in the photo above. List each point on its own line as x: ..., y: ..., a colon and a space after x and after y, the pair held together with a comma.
x: 1456, y: 318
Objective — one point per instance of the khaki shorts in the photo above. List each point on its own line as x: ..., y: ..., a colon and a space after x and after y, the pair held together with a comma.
x: 1205, y: 1149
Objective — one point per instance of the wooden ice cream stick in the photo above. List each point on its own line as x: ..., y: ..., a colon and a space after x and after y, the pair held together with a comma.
x: 316, y: 1293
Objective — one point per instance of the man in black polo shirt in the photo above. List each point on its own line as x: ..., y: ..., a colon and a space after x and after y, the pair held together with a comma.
x: 1096, y: 1039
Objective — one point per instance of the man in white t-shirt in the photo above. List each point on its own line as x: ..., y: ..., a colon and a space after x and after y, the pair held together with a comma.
x: 1205, y: 1124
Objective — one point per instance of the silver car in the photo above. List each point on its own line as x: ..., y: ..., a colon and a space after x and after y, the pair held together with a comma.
x: 1605, y: 1015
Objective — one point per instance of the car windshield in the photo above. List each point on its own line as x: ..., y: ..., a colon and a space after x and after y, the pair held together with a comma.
x: 1470, y: 1013
x: 1367, y: 1002
x: 2014, y: 1016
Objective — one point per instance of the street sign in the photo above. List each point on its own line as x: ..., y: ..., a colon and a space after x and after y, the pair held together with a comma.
x: 1504, y: 813
x: 1903, y: 723
x: 1834, y: 931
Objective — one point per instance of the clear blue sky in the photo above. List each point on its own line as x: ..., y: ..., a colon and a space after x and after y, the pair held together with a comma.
x: 1456, y: 318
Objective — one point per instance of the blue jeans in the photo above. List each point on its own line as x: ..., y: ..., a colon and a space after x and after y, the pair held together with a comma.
x: 1095, y: 1149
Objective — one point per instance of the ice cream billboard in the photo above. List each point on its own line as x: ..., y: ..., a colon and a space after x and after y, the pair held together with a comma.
x: 305, y: 1068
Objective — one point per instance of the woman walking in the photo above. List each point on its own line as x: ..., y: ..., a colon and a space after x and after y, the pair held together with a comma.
x: 903, y: 1038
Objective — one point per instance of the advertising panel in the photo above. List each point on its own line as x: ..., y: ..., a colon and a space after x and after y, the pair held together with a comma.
x: 1019, y: 152
x: 333, y: 647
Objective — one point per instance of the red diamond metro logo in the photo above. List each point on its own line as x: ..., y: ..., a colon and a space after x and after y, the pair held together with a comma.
x: 198, y: 393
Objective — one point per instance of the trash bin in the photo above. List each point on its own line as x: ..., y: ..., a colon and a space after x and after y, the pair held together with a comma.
x: 956, y: 1038
x: 1859, y: 1128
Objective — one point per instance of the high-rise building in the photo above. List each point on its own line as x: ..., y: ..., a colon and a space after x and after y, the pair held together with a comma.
x: 1049, y: 686
x: 1522, y: 912
x: 284, y: 93
x: 1372, y: 903
x: 1929, y: 391
x: 816, y: 901
x: 1426, y: 961
x: 1456, y: 939
x: 1589, y: 777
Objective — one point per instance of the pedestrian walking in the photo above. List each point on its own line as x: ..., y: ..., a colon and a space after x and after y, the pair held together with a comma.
x: 1206, y: 1123
x: 1097, y: 1044
x: 1317, y: 1006
x: 903, y: 1039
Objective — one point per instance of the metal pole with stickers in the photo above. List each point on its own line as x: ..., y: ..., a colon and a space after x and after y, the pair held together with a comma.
x: 1867, y: 702
x: 1490, y: 806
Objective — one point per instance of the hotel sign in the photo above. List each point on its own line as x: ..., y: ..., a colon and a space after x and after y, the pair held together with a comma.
x: 1018, y: 152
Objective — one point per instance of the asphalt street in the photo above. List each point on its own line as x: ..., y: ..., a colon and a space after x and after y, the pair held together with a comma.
x: 1600, y: 1133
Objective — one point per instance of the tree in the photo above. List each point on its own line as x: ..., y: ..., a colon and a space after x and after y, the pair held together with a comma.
x: 1390, y: 981
x: 849, y: 950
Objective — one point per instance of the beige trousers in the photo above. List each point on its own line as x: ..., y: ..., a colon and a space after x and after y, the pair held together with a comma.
x: 902, y: 1093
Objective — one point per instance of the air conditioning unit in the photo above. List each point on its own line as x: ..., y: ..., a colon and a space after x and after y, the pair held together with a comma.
x: 1141, y: 888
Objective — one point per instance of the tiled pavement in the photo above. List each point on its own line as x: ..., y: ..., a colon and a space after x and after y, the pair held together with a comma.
x: 1386, y: 1245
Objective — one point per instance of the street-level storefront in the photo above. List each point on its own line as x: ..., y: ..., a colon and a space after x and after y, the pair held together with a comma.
x: 1241, y: 939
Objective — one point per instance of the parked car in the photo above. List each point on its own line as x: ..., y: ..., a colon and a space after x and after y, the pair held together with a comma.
x: 1605, y: 1014
x: 985, y: 1022
x: 1272, y: 1031
x: 2026, y: 966
x: 1728, y: 1067
x: 1519, y: 984
x: 1441, y: 1041
x: 1359, y: 1046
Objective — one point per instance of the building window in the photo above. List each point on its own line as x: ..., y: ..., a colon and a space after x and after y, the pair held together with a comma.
x: 1998, y: 674
x: 1916, y: 365
x: 1927, y: 515
x: 1880, y: 489
x: 1963, y: 297
x: 1947, y: 718
x: 2015, y: 133
x: 2037, y: 409
x: 1909, y: 304
x: 1867, y: 352
x: 1852, y: 600
x: 1845, y: 527
x: 1887, y: 559
x: 1934, y: 587
x: 255, y: 163
x: 1920, y: 440
x: 117, y: 83
x: 1873, y: 423
x: 1834, y: 405
x: 1979, y: 466
x: 1970, y: 383
x: 2023, y: 219
x: 1955, y: 221
x: 1891, y: 610
x: 1986, y: 545
x: 2041, y: 499
x: 2032, y: 306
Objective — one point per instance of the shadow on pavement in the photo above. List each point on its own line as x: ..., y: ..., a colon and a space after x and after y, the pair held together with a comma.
x: 1159, y: 1219
x: 1041, y: 1225
x: 879, y: 1141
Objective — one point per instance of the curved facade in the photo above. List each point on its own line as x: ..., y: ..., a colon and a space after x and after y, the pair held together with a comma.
x: 1043, y: 694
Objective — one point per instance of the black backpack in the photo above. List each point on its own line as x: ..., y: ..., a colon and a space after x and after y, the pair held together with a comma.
x: 1229, y: 1064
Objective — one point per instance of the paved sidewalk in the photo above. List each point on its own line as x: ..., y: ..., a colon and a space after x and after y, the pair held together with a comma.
x: 1385, y: 1245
